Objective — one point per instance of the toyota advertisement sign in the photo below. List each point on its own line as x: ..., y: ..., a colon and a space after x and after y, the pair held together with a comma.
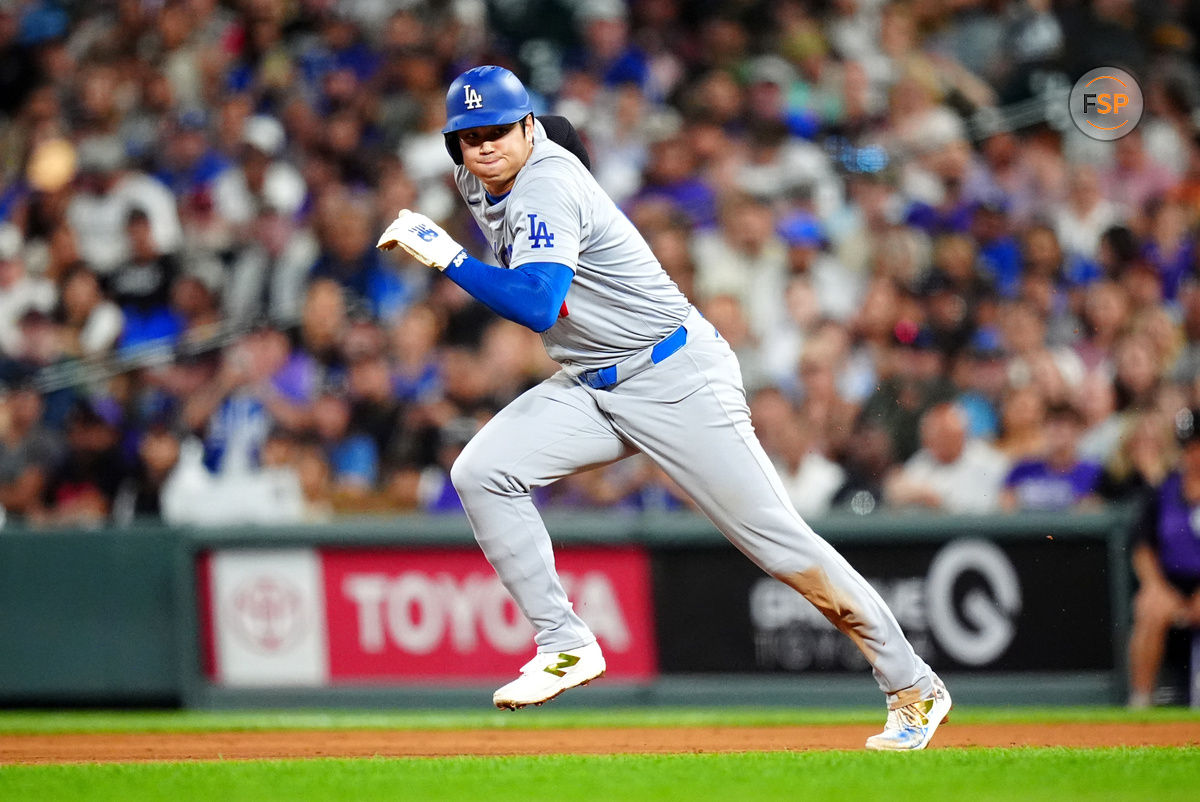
x: 314, y: 617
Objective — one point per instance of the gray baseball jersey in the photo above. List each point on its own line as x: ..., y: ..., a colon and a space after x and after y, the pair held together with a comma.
x: 621, y: 301
x: 683, y: 406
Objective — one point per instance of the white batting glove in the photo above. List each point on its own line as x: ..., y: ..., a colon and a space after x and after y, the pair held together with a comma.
x: 423, y: 238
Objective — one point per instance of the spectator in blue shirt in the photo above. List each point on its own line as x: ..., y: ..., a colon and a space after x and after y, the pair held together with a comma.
x: 999, y: 251
x: 188, y: 163
x: 348, y: 256
x: 353, y: 456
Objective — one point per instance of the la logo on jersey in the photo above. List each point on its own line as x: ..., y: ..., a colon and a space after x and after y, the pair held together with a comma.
x: 473, y: 99
x: 539, y: 234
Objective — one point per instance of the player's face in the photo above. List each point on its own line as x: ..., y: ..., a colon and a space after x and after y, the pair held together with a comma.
x: 496, y: 153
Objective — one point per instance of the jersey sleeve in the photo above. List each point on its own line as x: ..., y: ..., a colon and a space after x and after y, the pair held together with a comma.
x: 546, y: 216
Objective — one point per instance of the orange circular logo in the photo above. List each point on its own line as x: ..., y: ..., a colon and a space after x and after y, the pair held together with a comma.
x: 1106, y: 103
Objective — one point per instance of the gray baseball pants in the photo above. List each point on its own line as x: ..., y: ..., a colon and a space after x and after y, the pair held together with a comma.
x: 688, y: 413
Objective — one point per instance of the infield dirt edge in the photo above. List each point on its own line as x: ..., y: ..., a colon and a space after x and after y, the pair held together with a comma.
x: 291, y: 744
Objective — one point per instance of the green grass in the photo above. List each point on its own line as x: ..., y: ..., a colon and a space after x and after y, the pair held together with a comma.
x: 15, y: 722
x: 937, y: 775
x: 951, y: 775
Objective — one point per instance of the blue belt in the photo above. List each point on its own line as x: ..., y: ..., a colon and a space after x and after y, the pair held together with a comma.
x: 606, y: 378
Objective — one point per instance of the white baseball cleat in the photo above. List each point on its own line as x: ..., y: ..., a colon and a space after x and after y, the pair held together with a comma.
x: 913, y: 725
x: 550, y: 673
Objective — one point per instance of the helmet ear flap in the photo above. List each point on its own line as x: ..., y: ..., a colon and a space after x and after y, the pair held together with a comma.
x: 454, y: 147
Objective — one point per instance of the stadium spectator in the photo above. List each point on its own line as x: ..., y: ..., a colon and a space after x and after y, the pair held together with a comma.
x: 1134, y: 178
x: 107, y: 192
x: 1166, y: 560
x: 142, y: 287
x: 414, y: 339
x: 810, y: 478
x: 349, y: 257
x: 912, y: 381
x: 823, y: 411
x: 1087, y: 214
x: 1137, y: 373
x: 838, y: 290
x: 88, y: 323
x: 196, y: 298
x: 313, y: 471
x: 374, y: 408
x: 999, y: 252
x: 980, y: 373
x: 1022, y: 421
x: 671, y: 176
x: 745, y: 258
x: 30, y: 452
x: 1058, y: 480
x: 353, y: 457
x: 19, y: 291
x: 1097, y: 401
x: 322, y: 327
x: 188, y: 164
x: 81, y: 489
x: 515, y: 360
x: 1054, y: 370
x: 671, y: 243
x: 258, y: 181
x: 139, y: 496
x: 435, y: 492
x: 1042, y: 257
x: 261, y: 382
x: 39, y: 348
x: 729, y: 317
x: 1144, y: 456
x: 1170, y: 247
x: 267, y: 277
x: 869, y: 460
x: 1105, y: 318
x: 951, y: 472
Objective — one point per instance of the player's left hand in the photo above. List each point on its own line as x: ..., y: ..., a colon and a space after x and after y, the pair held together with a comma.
x: 421, y: 237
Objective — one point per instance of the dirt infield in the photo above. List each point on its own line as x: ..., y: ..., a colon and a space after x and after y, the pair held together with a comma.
x: 103, y: 748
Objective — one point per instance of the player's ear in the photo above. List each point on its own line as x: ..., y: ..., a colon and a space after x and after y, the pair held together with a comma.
x: 527, y: 127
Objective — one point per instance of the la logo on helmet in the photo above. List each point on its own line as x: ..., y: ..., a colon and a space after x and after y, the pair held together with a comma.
x: 473, y: 99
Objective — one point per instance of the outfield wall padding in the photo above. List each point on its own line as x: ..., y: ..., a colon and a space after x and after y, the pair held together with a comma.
x: 115, y: 617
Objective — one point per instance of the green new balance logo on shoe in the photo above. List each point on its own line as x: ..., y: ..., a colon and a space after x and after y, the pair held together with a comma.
x: 550, y: 673
x: 564, y: 661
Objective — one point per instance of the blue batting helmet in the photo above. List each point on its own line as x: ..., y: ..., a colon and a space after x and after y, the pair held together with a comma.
x: 486, y: 95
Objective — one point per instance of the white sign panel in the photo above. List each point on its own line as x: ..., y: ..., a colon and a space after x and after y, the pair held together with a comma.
x: 269, y: 618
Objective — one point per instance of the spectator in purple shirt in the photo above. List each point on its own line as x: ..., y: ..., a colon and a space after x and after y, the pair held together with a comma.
x: 1166, y: 560
x: 1059, y: 480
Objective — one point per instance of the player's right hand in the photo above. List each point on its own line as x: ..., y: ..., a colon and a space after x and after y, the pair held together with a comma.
x: 424, y: 239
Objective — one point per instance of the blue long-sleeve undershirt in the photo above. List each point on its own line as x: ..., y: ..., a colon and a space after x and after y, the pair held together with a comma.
x: 530, y: 294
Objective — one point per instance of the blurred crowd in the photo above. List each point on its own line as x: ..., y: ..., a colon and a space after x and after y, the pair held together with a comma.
x: 941, y: 294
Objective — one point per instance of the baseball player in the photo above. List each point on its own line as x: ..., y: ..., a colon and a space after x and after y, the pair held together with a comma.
x: 642, y: 370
